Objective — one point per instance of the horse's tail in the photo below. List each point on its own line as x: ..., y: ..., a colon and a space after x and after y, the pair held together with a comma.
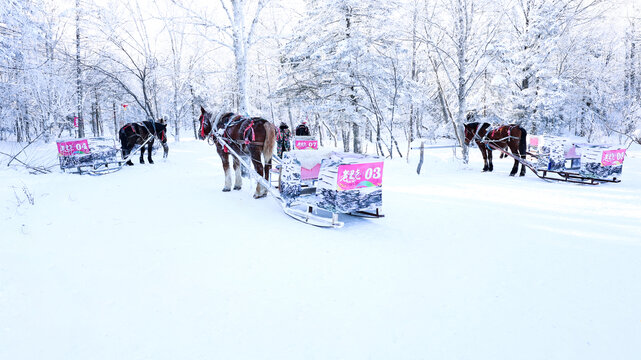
x: 270, y: 142
x: 523, y: 142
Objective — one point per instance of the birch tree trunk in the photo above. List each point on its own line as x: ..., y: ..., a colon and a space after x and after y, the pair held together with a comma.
x: 462, y: 28
x: 81, y: 125
x: 240, y: 54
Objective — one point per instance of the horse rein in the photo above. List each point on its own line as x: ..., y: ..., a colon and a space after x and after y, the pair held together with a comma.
x: 223, y: 131
x: 484, y: 139
x: 155, y: 133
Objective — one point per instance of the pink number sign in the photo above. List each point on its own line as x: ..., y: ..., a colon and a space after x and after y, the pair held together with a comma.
x: 306, y: 144
x: 72, y: 147
x: 612, y: 157
x: 354, y: 176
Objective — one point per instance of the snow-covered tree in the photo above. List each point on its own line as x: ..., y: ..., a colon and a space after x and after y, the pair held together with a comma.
x: 237, y: 33
x: 539, y: 48
x: 461, y: 38
x: 340, y: 49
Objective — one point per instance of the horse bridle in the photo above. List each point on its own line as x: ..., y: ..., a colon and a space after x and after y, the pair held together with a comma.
x: 210, y: 136
x: 475, y: 136
x: 154, y: 133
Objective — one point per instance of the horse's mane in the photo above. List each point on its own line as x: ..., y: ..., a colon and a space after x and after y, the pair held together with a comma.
x: 476, y: 124
x: 220, y: 115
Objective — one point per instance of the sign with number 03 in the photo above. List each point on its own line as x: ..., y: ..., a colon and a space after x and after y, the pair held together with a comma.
x: 355, y: 176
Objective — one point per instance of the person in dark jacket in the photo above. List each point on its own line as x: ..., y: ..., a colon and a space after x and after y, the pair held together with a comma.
x: 283, y: 143
x: 302, y: 129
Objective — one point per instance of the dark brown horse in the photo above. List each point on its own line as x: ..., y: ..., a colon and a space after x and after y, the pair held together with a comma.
x: 246, y: 136
x: 141, y: 133
x: 488, y: 138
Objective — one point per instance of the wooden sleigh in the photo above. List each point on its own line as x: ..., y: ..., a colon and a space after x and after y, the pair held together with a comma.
x: 559, y: 159
x: 314, y: 187
x: 317, y: 186
x: 93, y: 156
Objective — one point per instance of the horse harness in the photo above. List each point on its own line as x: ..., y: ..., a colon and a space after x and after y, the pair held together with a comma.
x: 133, y: 129
x: 248, y: 133
x: 491, y: 132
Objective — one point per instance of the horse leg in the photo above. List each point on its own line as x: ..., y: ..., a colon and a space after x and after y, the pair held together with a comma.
x: 239, y: 179
x: 522, y: 149
x: 142, y: 154
x: 267, y: 157
x: 225, y: 158
x: 268, y: 166
x: 129, y: 149
x: 484, y: 153
x: 515, y: 152
x: 150, y: 145
x: 258, y: 166
x: 490, y: 166
x: 125, y: 153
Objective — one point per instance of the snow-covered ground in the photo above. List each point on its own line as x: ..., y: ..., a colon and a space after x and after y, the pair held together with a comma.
x: 155, y: 262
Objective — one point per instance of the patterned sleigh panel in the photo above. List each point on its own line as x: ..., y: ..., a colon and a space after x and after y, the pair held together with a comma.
x: 554, y: 153
x: 601, y: 161
x: 290, y: 185
x: 299, y: 167
x: 350, y: 182
x: 558, y: 148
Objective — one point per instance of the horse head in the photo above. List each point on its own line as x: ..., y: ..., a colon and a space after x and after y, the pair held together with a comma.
x: 470, y: 131
x: 205, y: 124
x: 161, y: 134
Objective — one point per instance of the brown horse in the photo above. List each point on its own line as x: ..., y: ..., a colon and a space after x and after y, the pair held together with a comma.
x: 245, y: 136
x: 506, y: 136
x: 143, y: 133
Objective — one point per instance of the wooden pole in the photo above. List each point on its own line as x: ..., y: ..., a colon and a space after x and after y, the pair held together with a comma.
x: 420, y: 161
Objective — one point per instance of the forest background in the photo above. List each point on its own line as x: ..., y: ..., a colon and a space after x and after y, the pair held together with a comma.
x: 364, y: 74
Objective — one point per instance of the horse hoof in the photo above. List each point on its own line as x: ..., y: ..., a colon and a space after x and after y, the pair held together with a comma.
x: 257, y: 196
x: 151, y: 162
x: 226, y: 189
x: 142, y: 162
x: 522, y: 174
x: 129, y: 163
x: 512, y: 174
x: 237, y: 187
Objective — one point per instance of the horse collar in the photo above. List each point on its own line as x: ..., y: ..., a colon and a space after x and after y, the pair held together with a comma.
x: 476, y: 134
